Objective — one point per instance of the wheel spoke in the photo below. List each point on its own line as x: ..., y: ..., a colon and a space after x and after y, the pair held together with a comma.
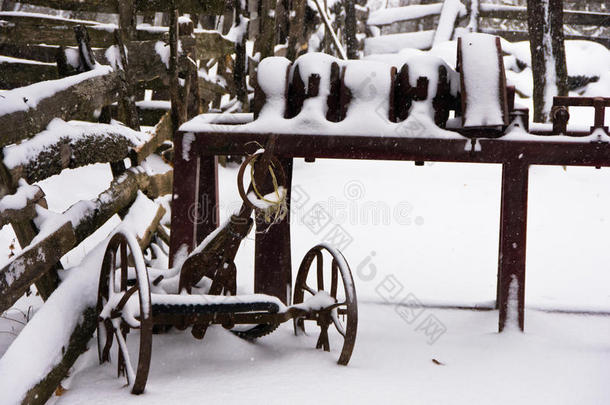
x: 334, y: 275
x: 131, y: 375
x: 111, y: 274
x: 309, y: 289
x: 337, y: 322
x: 109, y: 329
x: 320, y: 270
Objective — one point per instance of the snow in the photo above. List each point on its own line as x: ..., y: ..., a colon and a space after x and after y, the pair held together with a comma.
x: 163, y: 50
x: 237, y: 32
x: 563, y: 359
x: 387, y: 16
x: 114, y: 57
x: 481, y: 76
x: 187, y: 140
x: 322, y: 299
x: 452, y: 9
x: 550, y: 82
x: 393, y: 43
x: 367, y: 114
x: 25, y: 98
x: 70, y: 132
x: 140, y: 215
x: 154, y: 104
x: 9, y: 59
x: 31, y: 356
x: 154, y: 164
x: 20, y: 198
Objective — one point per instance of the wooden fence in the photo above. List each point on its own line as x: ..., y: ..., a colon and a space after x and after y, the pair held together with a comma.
x: 94, y: 72
x: 483, y: 17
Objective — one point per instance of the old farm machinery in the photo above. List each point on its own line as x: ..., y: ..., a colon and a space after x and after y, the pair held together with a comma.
x: 201, y: 290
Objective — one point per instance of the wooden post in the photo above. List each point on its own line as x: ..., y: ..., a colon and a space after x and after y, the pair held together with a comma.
x: 239, y: 68
x: 513, y: 229
x: 545, y: 25
x: 296, y: 29
x: 265, y: 40
x: 350, y: 29
x: 272, y: 256
x: 195, y: 196
x: 26, y: 231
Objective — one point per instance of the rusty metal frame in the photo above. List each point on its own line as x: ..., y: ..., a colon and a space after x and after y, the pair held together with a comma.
x: 515, y: 157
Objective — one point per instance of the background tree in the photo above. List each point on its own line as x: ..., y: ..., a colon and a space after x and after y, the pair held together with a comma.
x: 545, y: 25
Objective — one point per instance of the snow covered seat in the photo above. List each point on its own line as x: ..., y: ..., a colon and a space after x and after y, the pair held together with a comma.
x: 207, y: 304
x: 483, y: 81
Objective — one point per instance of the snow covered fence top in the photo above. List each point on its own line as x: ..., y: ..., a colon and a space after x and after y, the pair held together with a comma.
x: 26, y: 111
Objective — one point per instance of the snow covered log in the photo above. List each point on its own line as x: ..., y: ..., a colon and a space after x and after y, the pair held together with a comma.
x: 70, y: 145
x: 163, y: 132
x: 22, y: 72
x: 32, y: 263
x: 87, y: 216
x: 26, y: 111
x: 387, y: 16
x: 105, y: 6
x: 33, y: 28
x: 452, y: 9
x: 20, y: 206
x: 575, y: 17
x: 393, y: 43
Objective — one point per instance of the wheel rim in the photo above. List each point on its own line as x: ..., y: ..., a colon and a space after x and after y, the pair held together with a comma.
x: 115, y: 320
x: 346, y: 302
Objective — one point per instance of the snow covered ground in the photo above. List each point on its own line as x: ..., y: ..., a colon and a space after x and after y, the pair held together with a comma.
x: 562, y: 359
x: 439, y: 246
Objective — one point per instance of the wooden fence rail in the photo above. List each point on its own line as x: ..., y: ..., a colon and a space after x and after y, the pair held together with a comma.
x: 422, y: 12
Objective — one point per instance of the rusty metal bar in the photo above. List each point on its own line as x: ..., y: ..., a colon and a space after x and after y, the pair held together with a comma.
x: 272, y: 256
x: 513, y: 229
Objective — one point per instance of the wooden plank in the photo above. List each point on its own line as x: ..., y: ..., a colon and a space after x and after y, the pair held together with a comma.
x: 40, y: 53
x: 516, y: 36
x: 75, y: 101
x: 21, y: 72
x: 86, y: 145
x: 24, y: 214
x: 30, y: 265
x: 163, y: 132
x: 212, y: 45
x: 31, y: 28
x: 388, y: 16
x: 569, y: 16
x: 105, y: 6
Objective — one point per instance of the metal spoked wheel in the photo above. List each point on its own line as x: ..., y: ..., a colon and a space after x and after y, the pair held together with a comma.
x: 343, y: 314
x: 118, y: 314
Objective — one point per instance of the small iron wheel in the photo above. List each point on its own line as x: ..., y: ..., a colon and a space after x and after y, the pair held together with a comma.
x: 116, y: 317
x: 343, y: 315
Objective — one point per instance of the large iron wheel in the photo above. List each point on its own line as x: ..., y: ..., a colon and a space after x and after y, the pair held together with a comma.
x: 343, y: 314
x: 116, y: 313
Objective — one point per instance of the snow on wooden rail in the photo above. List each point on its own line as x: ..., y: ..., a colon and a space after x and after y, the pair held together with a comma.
x: 20, y: 206
x: 26, y: 111
x: 70, y: 145
x: 59, y: 233
x: 105, y: 6
x: 34, y: 261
